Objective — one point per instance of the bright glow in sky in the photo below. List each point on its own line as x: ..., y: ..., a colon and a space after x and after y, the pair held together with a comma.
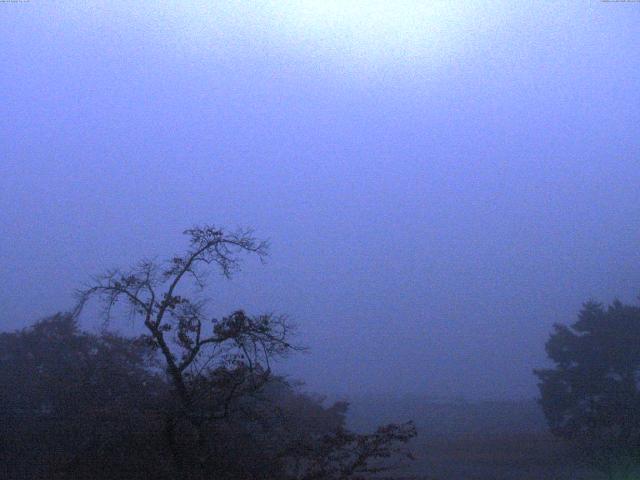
x: 441, y: 180
x: 352, y: 32
x: 383, y: 30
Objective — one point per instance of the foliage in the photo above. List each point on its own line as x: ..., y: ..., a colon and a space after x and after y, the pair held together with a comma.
x: 193, y: 398
x: 346, y: 455
x: 591, y: 396
x: 212, y: 364
x: 79, y: 405
x: 69, y: 399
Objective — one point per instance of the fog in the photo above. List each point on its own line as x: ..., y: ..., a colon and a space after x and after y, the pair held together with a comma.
x: 437, y: 193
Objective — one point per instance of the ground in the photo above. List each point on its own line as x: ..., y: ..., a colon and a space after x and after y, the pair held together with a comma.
x: 522, y: 456
x: 483, y: 440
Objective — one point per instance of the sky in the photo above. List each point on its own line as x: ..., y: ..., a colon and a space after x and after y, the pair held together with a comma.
x: 440, y: 182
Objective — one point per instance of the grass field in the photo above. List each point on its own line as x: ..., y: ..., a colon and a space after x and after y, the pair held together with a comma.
x: 522, y: 456
x: 499, y: 440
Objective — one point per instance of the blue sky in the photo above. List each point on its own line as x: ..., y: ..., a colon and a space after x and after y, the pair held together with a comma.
x: 440, y: 182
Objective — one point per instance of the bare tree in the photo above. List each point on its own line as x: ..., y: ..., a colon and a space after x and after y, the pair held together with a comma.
x: 210, y: 362
x: 217, y: 367
x: 345, y: 455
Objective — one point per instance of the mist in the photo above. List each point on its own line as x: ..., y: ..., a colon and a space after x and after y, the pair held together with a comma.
x: 434, y: 202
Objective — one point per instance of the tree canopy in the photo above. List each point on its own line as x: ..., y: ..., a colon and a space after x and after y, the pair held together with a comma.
x: 592, y: 395
x: 194, y: 397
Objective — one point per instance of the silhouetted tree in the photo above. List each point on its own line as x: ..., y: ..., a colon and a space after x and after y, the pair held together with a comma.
x: 218, y: 370
x: 79, y: 405
x: 72, y: 403
x: 592, y: 394
x: 211, y: 363
x: 343, y: 455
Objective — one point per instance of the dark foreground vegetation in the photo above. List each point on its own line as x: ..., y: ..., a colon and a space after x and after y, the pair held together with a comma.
x: 195, y: 397
x: 75, y: 405
x: 591, y: 396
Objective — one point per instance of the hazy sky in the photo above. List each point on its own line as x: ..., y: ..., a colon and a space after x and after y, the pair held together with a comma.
x: 440, y: 181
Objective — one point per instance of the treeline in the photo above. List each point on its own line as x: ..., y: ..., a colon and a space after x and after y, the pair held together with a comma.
x: 194, y: 397
x: 77, y: 405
